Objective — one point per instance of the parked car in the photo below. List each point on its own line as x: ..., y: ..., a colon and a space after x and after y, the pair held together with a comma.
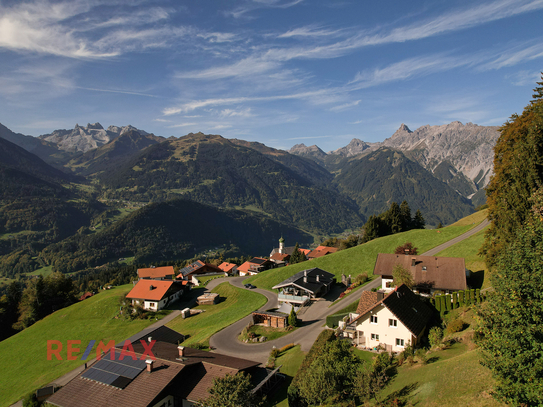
x: 249, y: 286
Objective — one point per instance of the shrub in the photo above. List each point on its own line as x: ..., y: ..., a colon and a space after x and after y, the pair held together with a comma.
x: 420, y: 356
x: 361, y: 278
x: 461, y: 298
x: 435, y: 336
x: 455, y: 300
x: 456, y: 325
x: 448, y: 302
x: 286, y: 347
x: 274, y: 353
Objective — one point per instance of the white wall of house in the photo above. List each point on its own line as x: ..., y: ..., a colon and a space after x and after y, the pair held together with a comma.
x: 383, y: 331
x: 384, y: 282
x: 153, y: 305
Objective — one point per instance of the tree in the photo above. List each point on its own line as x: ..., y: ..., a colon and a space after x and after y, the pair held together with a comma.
x: 518, y: 173
x: 371, y: 381
x: 31, y: 400
x: 330, y: 377
x: 405, y: 216
x: 512, y: 317
x: 371, y: 229
x: 232, y: 391
x: 538, y: 91
x: 393, y: 218
x: 406, y: 248
x: 418, y: 220
x: 297, y: 256
x: 439, y: 225
x: 400, y: 275
x: 292, y: 320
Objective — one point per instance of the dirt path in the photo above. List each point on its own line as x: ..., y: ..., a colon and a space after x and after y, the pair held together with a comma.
x: 457, y: 239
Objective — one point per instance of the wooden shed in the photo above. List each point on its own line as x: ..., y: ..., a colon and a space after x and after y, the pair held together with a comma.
x: 208, y: 299
x: 271, y: 319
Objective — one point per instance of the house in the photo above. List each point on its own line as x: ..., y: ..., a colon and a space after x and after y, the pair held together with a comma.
x: 280, y: 259
x: 157, y: 273
x: 230, y: 269
x: 179, y: 376
x: 154, y: 295
x: 255, y: 266
x: 198, y: 268
x: 321, y: 251
x: 387, y: 320
x: 430, y: 273
x: 304, y: 286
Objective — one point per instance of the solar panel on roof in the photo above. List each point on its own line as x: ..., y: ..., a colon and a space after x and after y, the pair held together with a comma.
x: 116, y: 373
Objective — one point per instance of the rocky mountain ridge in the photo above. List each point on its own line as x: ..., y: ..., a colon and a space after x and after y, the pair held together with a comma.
x: 85, y: 138
x: 466, y: 150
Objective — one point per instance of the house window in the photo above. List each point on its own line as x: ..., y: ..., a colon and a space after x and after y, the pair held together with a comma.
x: 151, y: 304
x: 399, y: 342
x: 393, y: 323
x: 373, y: 319
x: 375, y: 337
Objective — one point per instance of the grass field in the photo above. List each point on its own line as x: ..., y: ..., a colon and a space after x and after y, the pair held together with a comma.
x: 44, y: 271
x: 237, y: 303
x: 453, y: 378
x: 23, y: 357
x: 361, y: 259
x: 468, y: 249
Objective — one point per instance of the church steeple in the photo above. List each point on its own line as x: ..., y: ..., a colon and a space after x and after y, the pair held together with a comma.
x: 281, y: 245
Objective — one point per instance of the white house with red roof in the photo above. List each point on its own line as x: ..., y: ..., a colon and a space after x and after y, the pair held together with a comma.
x: 153, y: 295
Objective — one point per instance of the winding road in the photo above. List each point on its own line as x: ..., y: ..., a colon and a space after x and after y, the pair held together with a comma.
x: 312, y: 319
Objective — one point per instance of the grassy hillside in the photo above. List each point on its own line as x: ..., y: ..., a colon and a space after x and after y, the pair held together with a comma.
x: 453, y: 378
x: 361, y: 259
x: 23, y: 357
x: 236, y: 304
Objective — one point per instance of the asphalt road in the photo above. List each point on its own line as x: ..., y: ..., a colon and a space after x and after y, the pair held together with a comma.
x: 458, y: 239
x: 312, y: 320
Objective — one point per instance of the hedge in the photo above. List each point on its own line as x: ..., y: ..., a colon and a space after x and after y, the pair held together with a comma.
x: 332, y: 320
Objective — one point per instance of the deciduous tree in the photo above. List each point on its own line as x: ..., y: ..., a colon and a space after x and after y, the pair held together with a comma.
x: 401, y: 276
x: 232, y: 391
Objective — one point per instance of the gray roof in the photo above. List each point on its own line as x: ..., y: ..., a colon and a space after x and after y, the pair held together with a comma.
x: 311, y: 284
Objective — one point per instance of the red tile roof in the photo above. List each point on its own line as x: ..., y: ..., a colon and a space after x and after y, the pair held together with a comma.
x: 150, y: 290
x: 227, y: 267
x: 156, y: 272
x: 321, y: 251
x: 280, y: 256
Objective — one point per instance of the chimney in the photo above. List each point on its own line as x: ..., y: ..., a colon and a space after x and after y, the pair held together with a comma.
x: 406, y: 252
x: 318, y: 278
x: 149, y: 339
x: 413, y: 262
x: 305, y: 273
x: 181, y: 350
x: 149, y: 363
x: 380, y: 296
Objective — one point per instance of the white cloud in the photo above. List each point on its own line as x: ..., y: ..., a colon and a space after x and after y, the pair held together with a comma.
x: 345, y: 106
x: 258, y: 4
x: 525, y: 78
x: 309, y: 31
x: 515, y: 56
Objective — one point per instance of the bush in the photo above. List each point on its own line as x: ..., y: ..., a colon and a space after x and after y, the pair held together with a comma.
x: 333, y: 320
x: 448, y: 302
x: 461, y: 298
x: 286, y: 347
x: 435, y: 336
x: 361, y: 278
x: 420, y: 356
x: 455, y: 300
x: 455, y: 326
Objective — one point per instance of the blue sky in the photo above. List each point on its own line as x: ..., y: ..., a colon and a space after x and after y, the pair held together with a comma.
x: 280, y: 72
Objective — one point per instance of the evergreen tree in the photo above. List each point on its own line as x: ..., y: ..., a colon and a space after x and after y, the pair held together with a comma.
x: 393, y: 218
x: 538, y: 91
x: 418, y: 220
x: 405, y: 216
x: 518, y: 172
x: 292, y: 320
x: 512, y: 318
x: 439, y: 225
x: 371, y: 229
x: 297, y: 256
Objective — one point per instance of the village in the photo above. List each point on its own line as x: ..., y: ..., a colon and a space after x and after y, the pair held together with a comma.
x: 393, y: 312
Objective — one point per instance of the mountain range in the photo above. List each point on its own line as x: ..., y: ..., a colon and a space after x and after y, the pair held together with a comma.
x: 73, y: 179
